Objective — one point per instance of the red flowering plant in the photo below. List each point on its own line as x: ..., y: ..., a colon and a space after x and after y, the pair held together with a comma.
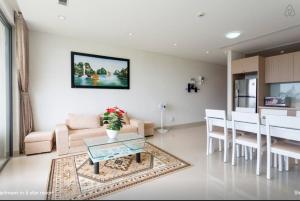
x: 113, y: 118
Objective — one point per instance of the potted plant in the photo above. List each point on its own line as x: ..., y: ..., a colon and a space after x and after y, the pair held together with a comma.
x: 113, y: 118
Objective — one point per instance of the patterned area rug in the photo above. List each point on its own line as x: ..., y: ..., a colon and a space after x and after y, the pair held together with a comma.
x: 73, y: 177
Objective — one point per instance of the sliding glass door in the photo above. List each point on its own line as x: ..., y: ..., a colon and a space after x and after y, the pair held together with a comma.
x: 5, y: 91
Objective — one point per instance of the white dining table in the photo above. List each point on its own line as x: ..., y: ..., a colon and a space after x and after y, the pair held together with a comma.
x: 284, y: 133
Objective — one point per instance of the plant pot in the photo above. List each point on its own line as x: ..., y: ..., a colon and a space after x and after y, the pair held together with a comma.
x: 112, y: 134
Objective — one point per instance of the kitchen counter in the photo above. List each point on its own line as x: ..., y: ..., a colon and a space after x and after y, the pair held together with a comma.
x: 291, y: 111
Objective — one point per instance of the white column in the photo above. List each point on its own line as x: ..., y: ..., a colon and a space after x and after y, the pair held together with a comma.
x: 231, y: 55
x: 229, y: 84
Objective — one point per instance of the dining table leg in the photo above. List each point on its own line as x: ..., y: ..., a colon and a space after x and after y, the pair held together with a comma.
x: 280, y: 163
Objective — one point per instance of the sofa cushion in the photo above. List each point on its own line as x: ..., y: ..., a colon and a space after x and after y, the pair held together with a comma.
x: 126, y: 119
x: 86, y: 133
x: 129, y: 129
x: 39, y: 137
x: 76, y: 121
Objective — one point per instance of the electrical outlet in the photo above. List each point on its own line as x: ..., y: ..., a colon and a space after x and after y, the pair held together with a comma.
x: 172, y: 119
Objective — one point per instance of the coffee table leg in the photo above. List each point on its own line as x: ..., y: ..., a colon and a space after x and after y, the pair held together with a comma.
x: 96, y: 168
x: 91, y: 162
x: 138, y: 158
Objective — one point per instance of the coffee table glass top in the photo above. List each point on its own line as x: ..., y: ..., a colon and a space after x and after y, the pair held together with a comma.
x: 104, y: 148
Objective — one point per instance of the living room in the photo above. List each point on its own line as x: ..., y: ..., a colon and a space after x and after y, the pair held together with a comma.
x: 109, y: 99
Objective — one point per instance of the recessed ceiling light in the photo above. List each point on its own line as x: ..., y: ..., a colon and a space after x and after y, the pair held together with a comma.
x: 207, y: 52
x: 130, y: 34
x: 233, y: 35
x: 63, y: 2
x: 61, y: 17
x: 201, y: 14
x: 175, y: 44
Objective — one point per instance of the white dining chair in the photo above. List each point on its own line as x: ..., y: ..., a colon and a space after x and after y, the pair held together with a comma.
x: 282, y: 148
x: 254, y: 141
x: 265, y: 112
x: 214, y: 133
x: 278, y: 160
x: 245, y: 110
x: 297, y: 115
x: 245, y: 149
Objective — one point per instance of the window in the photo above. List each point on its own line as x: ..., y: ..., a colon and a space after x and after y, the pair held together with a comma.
x: 5, y: 91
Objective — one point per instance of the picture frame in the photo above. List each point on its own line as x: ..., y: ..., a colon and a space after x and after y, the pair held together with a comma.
x: 99, y: 72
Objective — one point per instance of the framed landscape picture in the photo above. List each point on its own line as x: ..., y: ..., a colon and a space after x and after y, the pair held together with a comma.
x: 94, y: 71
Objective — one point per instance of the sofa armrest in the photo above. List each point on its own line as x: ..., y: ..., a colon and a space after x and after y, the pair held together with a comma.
x: 139, y: 124
x: 62, y: 139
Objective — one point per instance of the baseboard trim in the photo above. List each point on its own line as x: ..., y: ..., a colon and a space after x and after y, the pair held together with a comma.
x: 188, y: 125
x: 16, y: 154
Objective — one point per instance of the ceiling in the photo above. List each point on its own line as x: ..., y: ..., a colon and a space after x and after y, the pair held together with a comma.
x: 158, y: 24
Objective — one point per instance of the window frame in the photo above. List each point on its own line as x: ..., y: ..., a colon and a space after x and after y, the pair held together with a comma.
x: 9, y: 114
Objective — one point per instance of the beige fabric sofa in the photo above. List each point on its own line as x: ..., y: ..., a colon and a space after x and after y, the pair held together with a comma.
x: 39, y: 142
x: 70, y: 136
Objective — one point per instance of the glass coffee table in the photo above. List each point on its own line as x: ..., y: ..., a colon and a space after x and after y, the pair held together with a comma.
x: 104, y: 148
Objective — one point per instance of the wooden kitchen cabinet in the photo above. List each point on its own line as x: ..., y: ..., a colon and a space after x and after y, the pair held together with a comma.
x: 271, y: 70
x: 246, y: 65
x: 297, y: 67
x: 280, y: 69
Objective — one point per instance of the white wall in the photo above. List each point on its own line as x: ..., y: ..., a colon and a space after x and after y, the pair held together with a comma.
x: 154, y: 78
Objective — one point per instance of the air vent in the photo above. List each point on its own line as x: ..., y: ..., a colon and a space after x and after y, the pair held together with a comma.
x: 63, y: 2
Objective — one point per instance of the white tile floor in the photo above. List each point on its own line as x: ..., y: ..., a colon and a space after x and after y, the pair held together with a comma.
x: 208, y: 178
x: 2, y: 161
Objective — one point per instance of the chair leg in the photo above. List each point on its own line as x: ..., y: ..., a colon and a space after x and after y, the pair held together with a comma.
x: 220, y: 146
x: 275, y: 161
x: 225, y: 151
x: 258, y: 162
x: 251, y: 153
x: 243, y: 151
x: 234, y: 148
x: 269, y: 159
x: 286, y: 163
x: 238, y: 151
x: 246, y: 153
x: 280, y: 163
x: 208, y: 145
x: 211, y: 148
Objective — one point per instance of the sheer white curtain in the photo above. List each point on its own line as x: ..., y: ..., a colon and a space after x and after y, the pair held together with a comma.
x: 4, y: 107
